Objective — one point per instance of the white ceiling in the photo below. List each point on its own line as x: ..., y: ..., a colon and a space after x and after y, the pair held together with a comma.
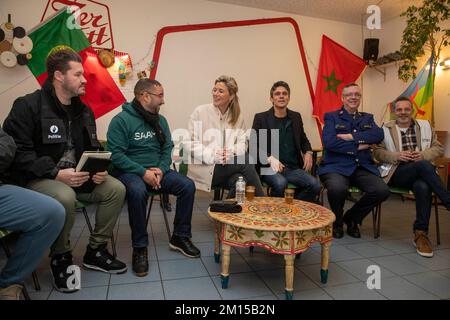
x: 351, y: 11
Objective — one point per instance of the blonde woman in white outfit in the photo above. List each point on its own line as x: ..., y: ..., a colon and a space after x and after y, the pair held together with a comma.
x: 218, y: 142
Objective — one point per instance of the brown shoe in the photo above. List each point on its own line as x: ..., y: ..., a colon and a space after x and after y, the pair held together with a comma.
x: 11, y: 293
x: 422, y: 244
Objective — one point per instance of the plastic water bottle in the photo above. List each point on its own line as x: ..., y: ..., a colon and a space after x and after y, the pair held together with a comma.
x: 240, y: 190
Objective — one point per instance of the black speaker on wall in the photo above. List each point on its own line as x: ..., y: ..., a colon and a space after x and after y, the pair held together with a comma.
x: 371, y: 49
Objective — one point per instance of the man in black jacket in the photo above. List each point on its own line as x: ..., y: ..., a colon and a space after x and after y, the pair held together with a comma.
x: 295, y: 159
x: 37, y: 217
x: 52, y: 128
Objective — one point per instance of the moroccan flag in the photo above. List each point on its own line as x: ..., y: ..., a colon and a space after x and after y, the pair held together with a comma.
x: 420, y: 92
x: 337, y: 67
x: 60, y: 30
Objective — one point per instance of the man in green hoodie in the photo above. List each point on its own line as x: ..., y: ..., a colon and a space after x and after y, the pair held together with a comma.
x: 141, y: 145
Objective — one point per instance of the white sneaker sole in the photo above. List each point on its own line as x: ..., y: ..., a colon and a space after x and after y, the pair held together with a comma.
x: 63, y: 290
x: 119, y: 271
x: 426, y: 255
x: 172, y: 247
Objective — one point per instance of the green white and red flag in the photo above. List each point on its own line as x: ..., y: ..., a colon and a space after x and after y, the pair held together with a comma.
x: 61, y: 31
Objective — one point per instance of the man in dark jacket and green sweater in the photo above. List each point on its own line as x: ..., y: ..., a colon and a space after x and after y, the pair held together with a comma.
x: 141, y: 145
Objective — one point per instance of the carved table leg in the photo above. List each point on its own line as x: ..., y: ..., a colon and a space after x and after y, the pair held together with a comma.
x: 217, y: 227
x: 289, y: 274
x: 225, y: 275
x: 325, y: 258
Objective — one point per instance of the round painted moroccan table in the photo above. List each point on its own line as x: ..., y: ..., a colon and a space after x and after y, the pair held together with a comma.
x: 281, y: 228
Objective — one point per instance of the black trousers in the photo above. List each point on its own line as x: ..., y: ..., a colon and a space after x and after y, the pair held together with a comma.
x: 374, y: 189
x: 225, y: 176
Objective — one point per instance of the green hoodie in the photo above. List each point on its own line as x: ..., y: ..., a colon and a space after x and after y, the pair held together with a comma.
x: 134, y: 145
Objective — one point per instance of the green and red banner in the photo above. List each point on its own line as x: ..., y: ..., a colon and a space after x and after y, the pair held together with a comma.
x: 338, y: 67
x: 61, y: 30
x: 420, y: 92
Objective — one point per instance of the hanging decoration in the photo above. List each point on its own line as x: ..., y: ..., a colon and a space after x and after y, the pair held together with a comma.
x: 118, y: 63
x: 142, y: 75
x: 149, y: 65
x: 15, y: 45
x: 124, y: 66
x: 122, y: 74
x: 106, y: 57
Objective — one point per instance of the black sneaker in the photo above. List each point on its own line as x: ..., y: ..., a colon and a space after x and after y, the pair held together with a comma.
x: 64, y: 279
x: 100, y: 259
x: 140, y: 261
x: 184, y: 245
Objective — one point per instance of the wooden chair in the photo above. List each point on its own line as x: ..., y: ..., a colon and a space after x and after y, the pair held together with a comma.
x: 4, y: 234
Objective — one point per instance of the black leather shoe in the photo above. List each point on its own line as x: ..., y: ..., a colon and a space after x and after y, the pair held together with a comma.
x: 352, y: 228
x: 140, y: 261
x: 185, y: 246
x: 338, y: 232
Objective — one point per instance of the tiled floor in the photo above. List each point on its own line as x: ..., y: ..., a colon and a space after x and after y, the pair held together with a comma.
x: 404, y: 274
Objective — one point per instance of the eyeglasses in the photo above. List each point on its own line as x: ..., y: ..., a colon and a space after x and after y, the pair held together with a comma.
x: 356, y: 95
x: 160, y: 95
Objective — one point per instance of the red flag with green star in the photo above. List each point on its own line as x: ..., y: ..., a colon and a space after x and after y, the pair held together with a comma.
x: 338, y: 67
x: 61, y: 31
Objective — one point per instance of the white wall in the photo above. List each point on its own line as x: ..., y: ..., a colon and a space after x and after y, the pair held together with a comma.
x: 135, y: 27
x: 136, y: 23
x: 379, y: 91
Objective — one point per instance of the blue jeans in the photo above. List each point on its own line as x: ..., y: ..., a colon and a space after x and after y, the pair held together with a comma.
x: 308, y: 186
x: 137, y: 197
x: 422, y: 179
x: 39, y: 218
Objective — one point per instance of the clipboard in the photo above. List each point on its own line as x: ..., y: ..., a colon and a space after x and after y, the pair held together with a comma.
x: 92, y: 162
x: 93, y: 155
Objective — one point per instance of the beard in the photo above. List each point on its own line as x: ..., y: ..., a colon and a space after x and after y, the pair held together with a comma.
x: 81, y: 91
x: 74, y: 91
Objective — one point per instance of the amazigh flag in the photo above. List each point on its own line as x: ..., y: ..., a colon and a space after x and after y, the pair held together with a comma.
x: 338, y: 67
x: 61, y: 31
x: 420, y: 92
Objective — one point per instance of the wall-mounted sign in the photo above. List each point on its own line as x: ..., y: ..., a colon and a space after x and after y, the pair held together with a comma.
x: 92, y: 16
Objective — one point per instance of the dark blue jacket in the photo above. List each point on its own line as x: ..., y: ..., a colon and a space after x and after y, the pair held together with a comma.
x: 342, y: 156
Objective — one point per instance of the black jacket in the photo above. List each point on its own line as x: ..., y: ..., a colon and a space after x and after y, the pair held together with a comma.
x: 266, y: 120
x: 7, y: 151
x: 40, y: 126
